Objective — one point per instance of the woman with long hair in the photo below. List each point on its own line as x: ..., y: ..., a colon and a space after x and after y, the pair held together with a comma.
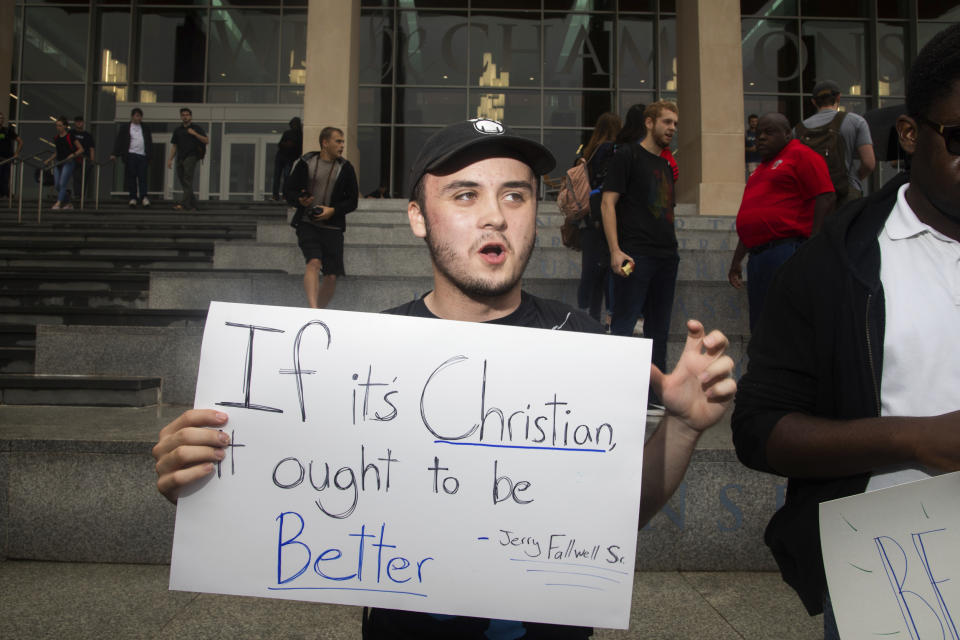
x: 68, y: 148
x: 595, y: 261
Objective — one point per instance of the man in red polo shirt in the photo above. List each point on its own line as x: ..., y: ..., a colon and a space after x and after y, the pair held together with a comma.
x: 784, y: 203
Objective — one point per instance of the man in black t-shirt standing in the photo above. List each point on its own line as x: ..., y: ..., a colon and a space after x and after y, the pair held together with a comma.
x: 187, y: 146
x: 637, y: 209
x: 10, y: 146
x: 473, y: 199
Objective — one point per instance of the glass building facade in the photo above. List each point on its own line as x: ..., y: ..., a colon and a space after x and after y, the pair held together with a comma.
x: 548, y: 68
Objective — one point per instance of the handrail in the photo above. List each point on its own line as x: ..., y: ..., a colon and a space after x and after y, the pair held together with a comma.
x: 36, y: 162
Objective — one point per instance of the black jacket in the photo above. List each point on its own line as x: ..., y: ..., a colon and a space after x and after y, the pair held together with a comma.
x: 121, y: 144
x: 817, y: 350
x: 343, y: 197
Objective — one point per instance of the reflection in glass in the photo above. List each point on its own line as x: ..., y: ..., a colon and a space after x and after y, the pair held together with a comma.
x: 374, y: 148
x: 172, y: 45
x: 766, y: 8
x: 575, y: 108
x: 105, y: 98
x: 376, y: 56
x: 427, y: 106
x: 516, y: 108
x: 113, y: 51
x: 293, y: 48
x: 835, y: 50
x: 431, y: 48
x: 630, y: 98
x: 563, y: 144
x: 509, y: 41
x: 291, y: 95
x: 55, y: 44
x: 773, y: 55
x: 635, y: 57
x: 48, y: 101
x: 761, y: 105
x: 374, y: 105
x: 578, y: 50
x: 668, y: 54
x: 243, y: 45
x: 169, y: 93
x: 891, y: 68
x: 241, y: 95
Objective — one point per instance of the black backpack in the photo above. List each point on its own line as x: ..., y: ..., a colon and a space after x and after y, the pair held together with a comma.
x: 827, y: 141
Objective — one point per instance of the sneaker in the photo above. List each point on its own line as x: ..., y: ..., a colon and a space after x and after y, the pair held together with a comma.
x: 132, y: 203
x: 145, y: 202
x: 654, y: 409
x: 56, y: 206
x: 66, y: 206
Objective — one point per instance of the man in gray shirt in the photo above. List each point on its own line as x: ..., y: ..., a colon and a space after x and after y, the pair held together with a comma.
x: 859, y: 158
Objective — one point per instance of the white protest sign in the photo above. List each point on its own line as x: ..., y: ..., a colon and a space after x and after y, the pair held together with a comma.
x: 418, y: 464
x: 893, y: 560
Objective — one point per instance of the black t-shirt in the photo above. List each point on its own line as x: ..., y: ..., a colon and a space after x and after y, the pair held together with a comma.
x: 66, y: 145
x: 187, y: 144
x: 645, y: 208
x: 85, y: 139
x: 536, y: 313
x: 8, y: 138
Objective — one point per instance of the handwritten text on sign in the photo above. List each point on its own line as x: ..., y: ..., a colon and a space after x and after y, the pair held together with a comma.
x: 418, y: 464
x: 893, y: 560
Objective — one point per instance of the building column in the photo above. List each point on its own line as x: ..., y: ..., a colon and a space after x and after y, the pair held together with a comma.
x: 331, y: 95
x: 710, y: 88
x: 7, y: 10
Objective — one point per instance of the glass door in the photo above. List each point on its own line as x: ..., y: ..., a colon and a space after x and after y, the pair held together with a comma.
x: 246, y: 172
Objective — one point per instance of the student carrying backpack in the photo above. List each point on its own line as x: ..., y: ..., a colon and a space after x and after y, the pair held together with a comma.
x: 827, y: 141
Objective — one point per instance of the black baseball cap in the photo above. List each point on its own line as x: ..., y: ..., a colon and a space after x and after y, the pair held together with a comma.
x: 826, y: 87
x: 478, y: 135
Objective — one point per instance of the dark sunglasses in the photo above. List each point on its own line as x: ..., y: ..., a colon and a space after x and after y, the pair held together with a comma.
x: 951, y: 134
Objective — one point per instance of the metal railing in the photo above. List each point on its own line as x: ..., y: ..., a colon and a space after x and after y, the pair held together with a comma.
x: 44, y: 163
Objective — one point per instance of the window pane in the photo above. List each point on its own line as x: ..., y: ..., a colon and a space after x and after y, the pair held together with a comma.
x: 578, y: 50
x: 505, y: 49
x: 374, y: 147
x: 432, y: 48
x: 836, y: 8
x: 430, y: 106
x: 505, y: 4
x: 762, y: 105
x: 579, y: 5
x: 407, y: 144
x: 891, y: 68
x: 113, y: 48
x: 630, y: 98
x: 291, y: 95
x: 926, y: 31
x: 241, y: 95
x: 105, y: 99
x: 893, y: 8
x: 835, y: 51
x: 516, y: 108
x: 938, y: 10
x: 55, y: 44
x: 765, y: 8
x: 771, y: 56
x: 575, y: 108
x: 376, y: 56
x: 375, y: 105
x: 168, y: 93
x: 668, y: 54
x: 293, y: 48
x: 46, y: 101
x: 638, y: 5
x: 563, y: 144
x: 172, y: 45
x: 635, y: 57
x: 243, y: 46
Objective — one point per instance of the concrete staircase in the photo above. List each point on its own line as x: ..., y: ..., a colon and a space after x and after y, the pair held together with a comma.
x: 98, y: 295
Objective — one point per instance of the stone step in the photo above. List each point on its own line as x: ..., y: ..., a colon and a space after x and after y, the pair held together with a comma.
x: 25, y: 278
x: 173, y: 353
x: 714, y: 522
x: 58, y: 247
x: 547, y: 236
x: 79, y: 390
x: 17, y: 335
x: 102, y: 316
x: 142, y: 261
x: 96, y: 298
x: 716, y: 303
x: 81, y: 233
x: 546, y: 262
x: 18, y: 359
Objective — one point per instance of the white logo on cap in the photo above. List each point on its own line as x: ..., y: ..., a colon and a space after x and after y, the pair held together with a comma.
x: 487, y: 126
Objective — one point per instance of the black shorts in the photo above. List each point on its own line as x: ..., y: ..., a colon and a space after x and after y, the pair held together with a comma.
x: 325, y: 245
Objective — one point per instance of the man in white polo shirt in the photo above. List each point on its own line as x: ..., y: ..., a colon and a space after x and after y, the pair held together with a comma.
x: 853, y: 374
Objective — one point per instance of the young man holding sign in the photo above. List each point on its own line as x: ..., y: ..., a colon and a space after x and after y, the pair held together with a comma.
x: 852, y: 379
x: 473, y: 199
